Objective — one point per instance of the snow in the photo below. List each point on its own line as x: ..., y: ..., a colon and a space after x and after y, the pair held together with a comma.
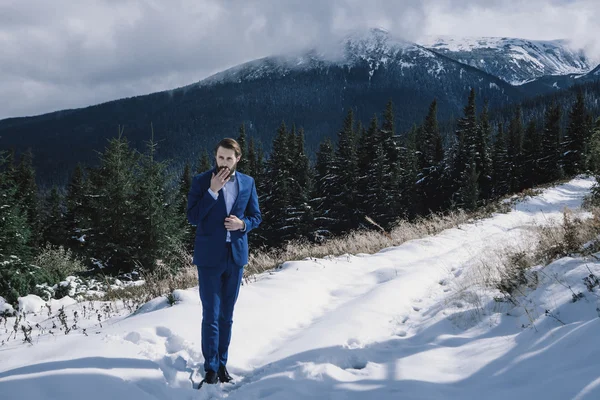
x: 31, y: 303
x: 5, y: 307
x: 523, y: 59
x: 411, y: 321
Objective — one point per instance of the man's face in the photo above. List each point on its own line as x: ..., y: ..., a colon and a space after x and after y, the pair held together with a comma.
x: 226, y: 158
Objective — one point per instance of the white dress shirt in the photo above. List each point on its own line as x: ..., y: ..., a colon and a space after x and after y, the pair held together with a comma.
x: 230, y: 190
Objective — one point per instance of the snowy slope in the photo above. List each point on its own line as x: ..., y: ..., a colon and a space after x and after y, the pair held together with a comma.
x: 514, y: 60
x: 375, y: 47
x: 409, y: 322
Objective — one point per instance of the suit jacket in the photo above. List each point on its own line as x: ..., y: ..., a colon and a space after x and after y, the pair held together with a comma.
x: 209, y: 216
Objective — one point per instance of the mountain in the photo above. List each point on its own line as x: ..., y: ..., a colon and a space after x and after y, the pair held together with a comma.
x: 554, y: 83
x: 516, y: 61
x: 313, y: 89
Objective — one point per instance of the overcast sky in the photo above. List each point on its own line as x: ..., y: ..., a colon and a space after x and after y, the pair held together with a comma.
x: 64, y: 54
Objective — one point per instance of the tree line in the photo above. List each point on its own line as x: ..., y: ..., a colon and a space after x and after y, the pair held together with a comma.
x: 128, y: 213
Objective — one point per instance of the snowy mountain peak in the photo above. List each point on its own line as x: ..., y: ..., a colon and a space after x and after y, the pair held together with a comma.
x: 376, y: 47
x: 514, y: 60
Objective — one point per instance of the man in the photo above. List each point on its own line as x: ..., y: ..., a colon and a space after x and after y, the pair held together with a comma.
x: 223, y: 204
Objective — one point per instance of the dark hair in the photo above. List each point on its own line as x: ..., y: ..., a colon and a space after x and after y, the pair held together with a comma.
x: 230, y: 144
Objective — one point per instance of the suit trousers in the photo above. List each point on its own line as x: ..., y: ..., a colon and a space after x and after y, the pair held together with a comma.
x: 219, y: 287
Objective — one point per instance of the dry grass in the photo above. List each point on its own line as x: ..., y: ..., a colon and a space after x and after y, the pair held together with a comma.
x: 559, y: 240
x: 160, y: 282
x: 509, y: 269
x: 368, y: 241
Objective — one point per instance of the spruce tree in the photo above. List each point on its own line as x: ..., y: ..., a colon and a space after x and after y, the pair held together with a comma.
x: 260, y: 167
x: 160, y: 227
x: 366, y: 151
x: 500, y: 165
x: 550, y: 162
x: 398, y: 170
x: 301, y: 187
x: 17, y: 277
x: 469, y: 189
x: 27, y: 195
x: 54, y: 222
x: 185, y: 184
x: 576, y: 136
x: 483, y: 160
x: 251, y: 158
x: 430, y: 157
x: 531, y: 155
x: 593, y: 150
x: 112, y: 224
x: 464, y: 155
x: 515, y: 150
x: 243, y: 164
x: 76, y: 213
x: 323, y: 182
x: 371, y: 164
x: 344, y: 188
x: 279, y: 224
x: 405, y: 196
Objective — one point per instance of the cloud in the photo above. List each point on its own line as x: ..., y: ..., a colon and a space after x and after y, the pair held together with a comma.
x: 65, y: 54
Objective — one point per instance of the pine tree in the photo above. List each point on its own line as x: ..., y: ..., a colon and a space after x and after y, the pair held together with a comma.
x: 550, y: 162
x: 243, y: 164
x: 16, y: 275
x: 301, y: 187
x: 398, y: 171
x: 54, y: 231
x: 260, y: 167
x: 576, y: 137
x: 160, y: 226
x: 483, y: 160
x: 185, y: 184
x: 371, y: 163
x: 112, y: 224
x: 469, y: 190
x: 500, y: 167
x: 279, y: 225
x: 515, y: 150
x: 10, y: 169
x: 320, y: 201
x: 407, y: 203
x: 344, y: 188
x: 594, y: 159
x: 14, y: 227
x: 430, y: 156
x: 593, y: 146
x: 531, y: 154
x: 251, y: 158
x: 464, y: 156
x: 76, y: 213
x: 27, y: 196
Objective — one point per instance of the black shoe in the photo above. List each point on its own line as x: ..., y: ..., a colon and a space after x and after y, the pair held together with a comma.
x: 224, y: 375
x: 211, y: 377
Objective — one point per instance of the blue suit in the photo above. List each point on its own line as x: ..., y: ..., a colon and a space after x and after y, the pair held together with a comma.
x: 220, y: 264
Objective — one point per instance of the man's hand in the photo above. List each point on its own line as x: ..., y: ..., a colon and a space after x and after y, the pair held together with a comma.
x: 219, y: 180
x: 233, y: 223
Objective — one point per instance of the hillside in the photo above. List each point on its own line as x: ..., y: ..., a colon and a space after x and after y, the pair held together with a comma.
x: 313, y: 90
x: 415, y: 321
x: 514, y: 60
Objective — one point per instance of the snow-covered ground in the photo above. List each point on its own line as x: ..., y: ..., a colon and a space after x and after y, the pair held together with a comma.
x: 410, y: 322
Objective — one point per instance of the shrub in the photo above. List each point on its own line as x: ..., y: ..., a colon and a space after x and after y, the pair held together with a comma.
x: 58, y: 262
